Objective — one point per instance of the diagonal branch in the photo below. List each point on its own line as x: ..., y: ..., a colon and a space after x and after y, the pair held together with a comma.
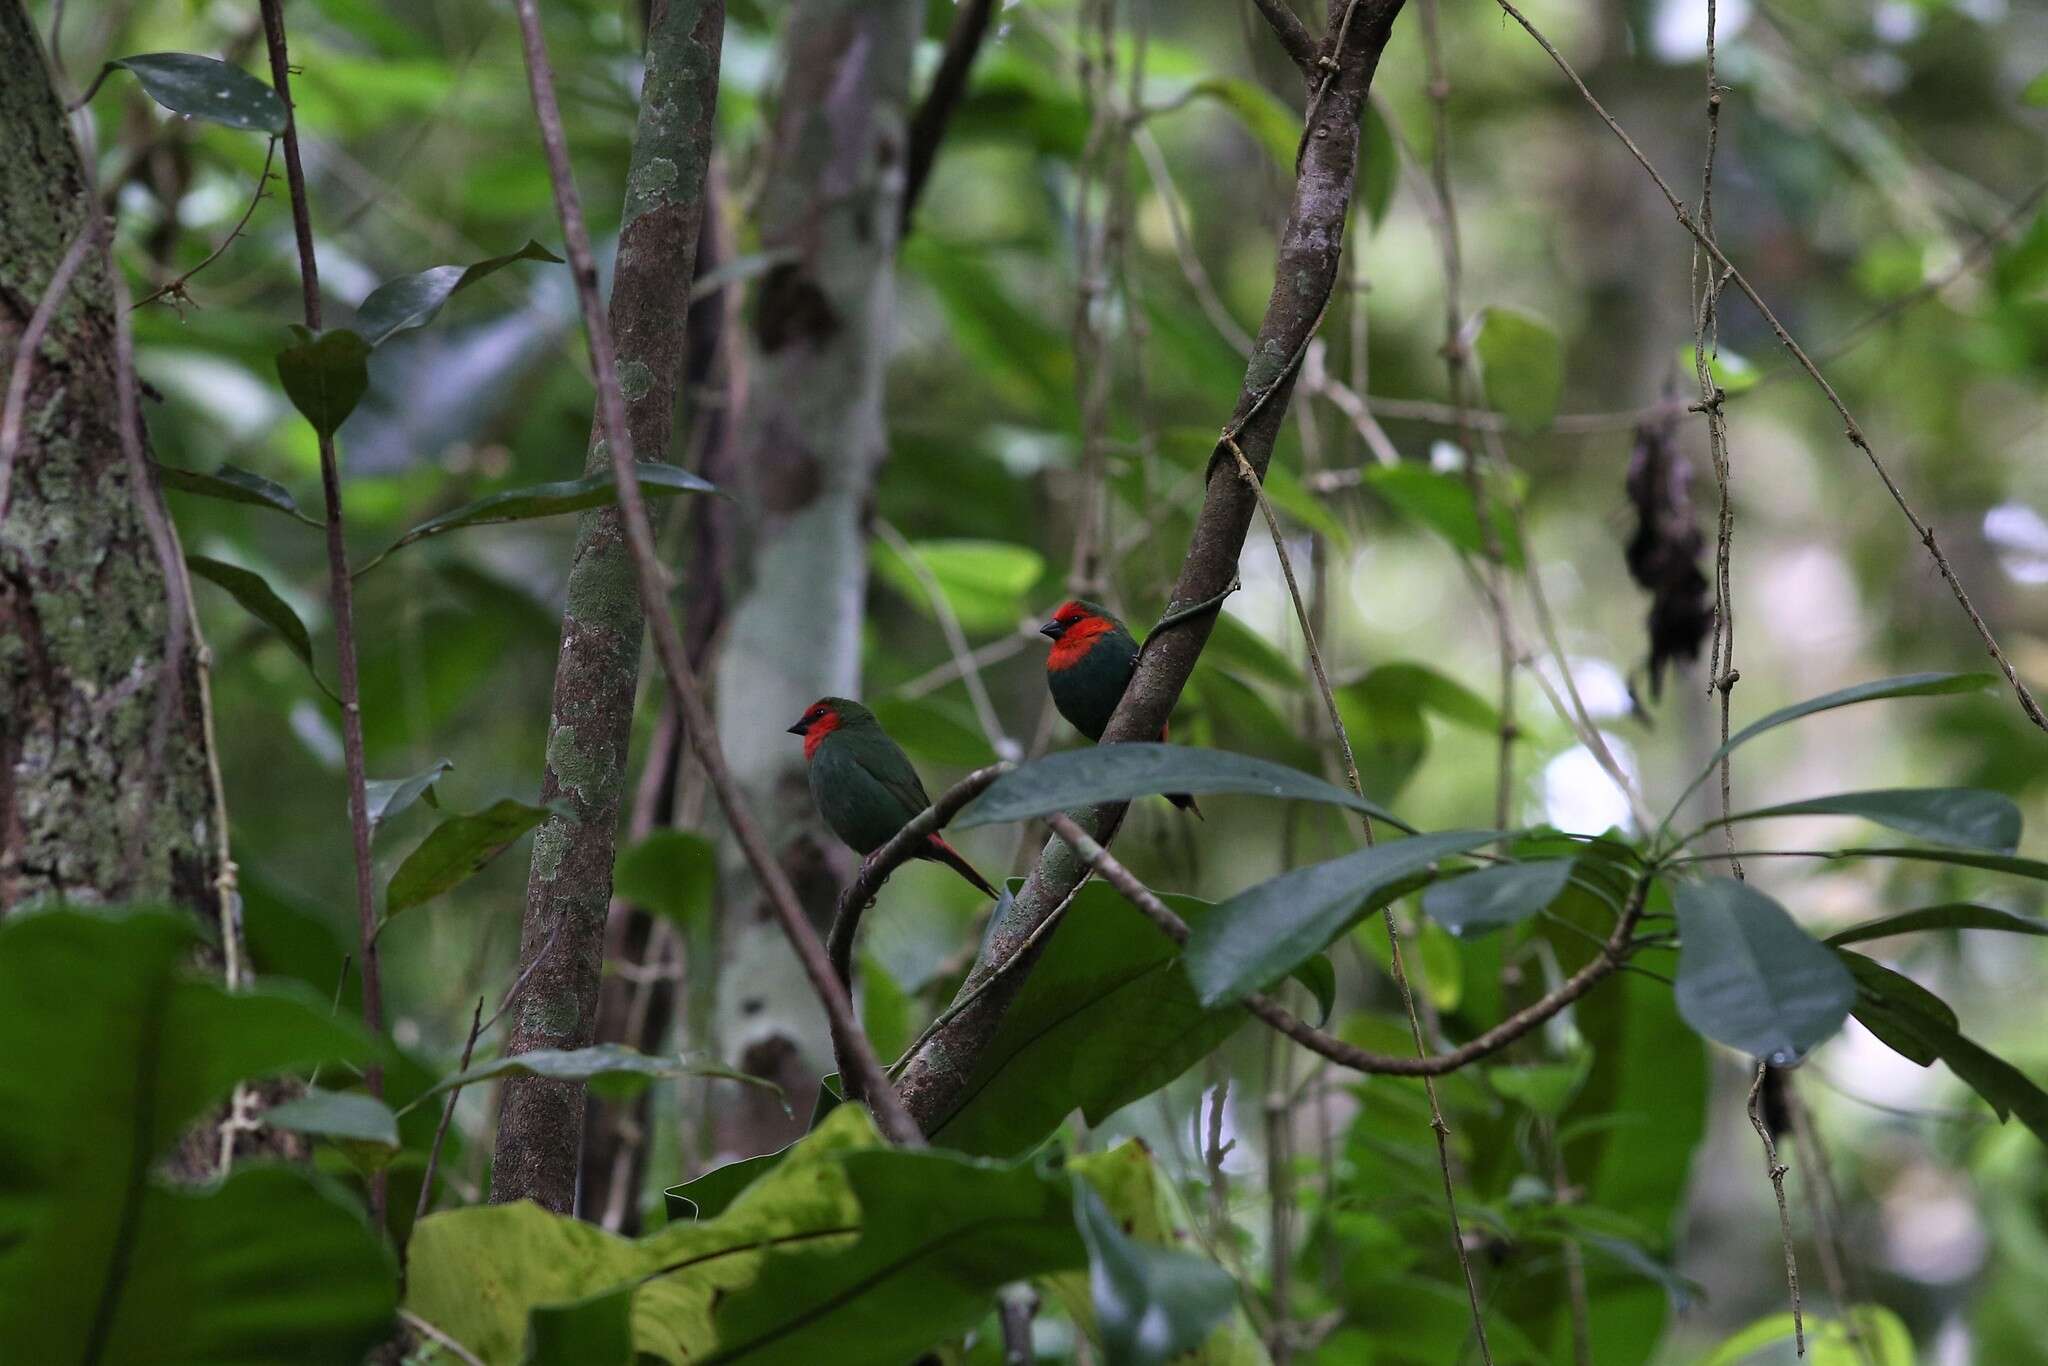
x: 949, y: 86
x: 1292, y: 33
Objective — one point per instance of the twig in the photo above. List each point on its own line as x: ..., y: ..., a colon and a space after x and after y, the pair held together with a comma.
x: 30, y: 344
x: 1191, y: 267
x: 949, y: 84
x: 956, y: 666
x: 1294, y: 36
x: 1016, y: 1308
x: 1851, y: 430
x: 956, y: 640
x: 1776, y: 1170
x: 1825, y: 1203
x: 425, y: 1329
x: 339, y: 586
x: 890, y: 1115
x: 476, y: 1027
x: 176, y: 288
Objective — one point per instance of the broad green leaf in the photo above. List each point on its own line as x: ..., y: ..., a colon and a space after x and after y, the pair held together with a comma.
x: 1106, y: 1016
x: 1379, y: 168
x: 233, y: 485
x: 1237, y: 647
x: 1905, y: 685
x: 1319, y: 975
x: 1121, y: 773
x: 1435, y: 692
x: 260, y: 601
x: 1750, y: 978
x: 1731, y: 372
x: 594, y: 1331
x: 1443, y: 503
x: 707, y: 1196
x: 613, y: 1070
x: 206, y: 88
x: 344, y: 1116
x: 2035, y: 92
x: 1521, y: 362
x: 413, y: 300
x: 1829, y: 1342
x: 546, y: 500
x: 1682, y: 1293
x: 1389, y: 737
x: 1272, y: 124
x: 389, y: 797
x: 1996, y: 863
x: 984, y: 582
x: 1955, y: 915
x: 458, y: 848
x: 325, y: 376
x: 884, y: 1009
x: 1258, y: 936
x: 1966, y: 816
x: 1544, y: 1087
x: 1505, y: 894
x: 109, y: 1037
x: 669, y: 873
x: 930, y: 729
x: 1151, y: 1303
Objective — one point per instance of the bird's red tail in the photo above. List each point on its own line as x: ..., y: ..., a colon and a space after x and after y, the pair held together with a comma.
x: 941, y: 852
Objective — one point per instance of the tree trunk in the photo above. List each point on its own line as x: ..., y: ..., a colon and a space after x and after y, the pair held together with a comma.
x: 96, y: 805
x: 811, y: 443
x: 540, y: 1123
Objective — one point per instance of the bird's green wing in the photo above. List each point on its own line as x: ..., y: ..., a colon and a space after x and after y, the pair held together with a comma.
x: 889, y: 766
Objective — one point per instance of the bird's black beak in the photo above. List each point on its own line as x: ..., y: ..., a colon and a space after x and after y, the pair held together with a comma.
x: 1053, y: 630
x: 799, y: 728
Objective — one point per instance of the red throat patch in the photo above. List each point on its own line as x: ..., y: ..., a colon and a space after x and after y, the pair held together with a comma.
x: 815, y: 736
x: 1076, y: 641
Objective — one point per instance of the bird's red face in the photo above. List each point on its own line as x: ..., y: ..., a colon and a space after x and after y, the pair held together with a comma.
x: 1074, y: 629
x: 817, y: 722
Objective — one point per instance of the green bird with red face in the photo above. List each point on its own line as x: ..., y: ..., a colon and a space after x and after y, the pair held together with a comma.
x: 863, y: 783
x: 1090, y: 665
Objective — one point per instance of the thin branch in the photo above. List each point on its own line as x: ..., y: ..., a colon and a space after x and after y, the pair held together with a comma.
x: 652, y: 579
x: 956, y: 640
x: 428, y: 1330
x: 1851, y: 430
x: 476, y: 1027
x: 1295, y: 39
x: 30, y: 345
x: 1825, y: 1204
x: 1776, y: 1171
x: 340, y: 589
x: 949, y: 85
x: 176, y: 288
x: 959, y: 666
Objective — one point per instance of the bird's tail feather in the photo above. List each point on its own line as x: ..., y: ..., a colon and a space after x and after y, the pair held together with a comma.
x: 941, y: 852
x: 1186, y: 802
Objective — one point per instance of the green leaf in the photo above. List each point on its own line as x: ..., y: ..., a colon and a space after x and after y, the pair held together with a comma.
x: 260, y: 601
x: 1492, y: 898
x: 1259, y: 935
x: 1272, y: 124
x: 1443, y: 503
x: 670, y: 873
x: 206, y: 88
x: 1435, y: 692
x: 1966, y: 816
x: 1319, y: 975
x: 1151, y: 1303
x: 1729, y: 371
x: 234, y: 485
x: 2035, y: 92
x: 1544, y: 1087
x: 930, y: 729
x: 389, y: 797
x: 984, y: 582
x: 1521, y: 362
x: 613, y: 1071
x: 344, y: 1116
x: 1379, y: 169
x: 1829, y: 1342
x: 1750, y: 978
x: 1996, y: 863
x: 1238, y: 648
x: 413, y: 300
x: 707, y: 1196
x: 546, y: 500
x: 108, y: 1037
x: 1389, y: 737
x: 1954, y: 915
x: 594, y: 1331
x: 458, y: 848
x: 1121, y: 773
x: 325, y: 376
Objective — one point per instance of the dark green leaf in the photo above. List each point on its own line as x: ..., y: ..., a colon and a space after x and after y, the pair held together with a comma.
x: 1956, y: 915
x: 260, y: 601
x: 1272, y: 124
x: 1389, y: 737
x: 1682, y: 1292
x: 1443, y: 503
x: 344, y: 1116
x: 1237, y: 647
x: 1521, y: 363
x: 207, y: 88
x: 1434, y: 692
x: 458, y: 848
x: 234, y: 485
x: 1491, y: 898
x: 1259, y: 935
x: 985, y: 583
x: 413, y: 300
x: 670, y: 873
x: 1319, y: 975
x: 708, y: 1195
x: 594, y: 1331
x: 1967, y: 816
x: 1151, y: 1303
x: 613, y: 1070
x: 388, y: 797
x: 1118, y: 773
x: 113, y: 1051
x: 1996, y: 863
x: 1379, y: 167
x: 931, y: 729
x: 1544, y: 1087
x: 546, y: 500
x: 325, y: 376
x: 1750, y: 978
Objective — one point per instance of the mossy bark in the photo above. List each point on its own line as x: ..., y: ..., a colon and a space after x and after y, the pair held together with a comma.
x: 812, y: 440
x: 84, y: 813
x: 540, y: 1123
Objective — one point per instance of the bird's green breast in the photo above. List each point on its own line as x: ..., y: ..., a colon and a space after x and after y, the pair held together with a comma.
x: 1087, y: 691
x: 860, y: 807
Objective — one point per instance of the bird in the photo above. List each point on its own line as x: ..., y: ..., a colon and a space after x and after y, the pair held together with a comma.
x: 1091, y: 662
x: 864, y: 786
